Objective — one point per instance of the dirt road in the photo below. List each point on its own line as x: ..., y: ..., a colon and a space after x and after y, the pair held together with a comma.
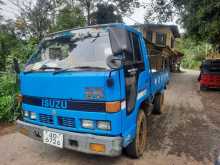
x: 188, y: 133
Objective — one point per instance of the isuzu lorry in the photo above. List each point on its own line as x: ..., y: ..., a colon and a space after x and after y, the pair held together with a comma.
x: 91, y: 90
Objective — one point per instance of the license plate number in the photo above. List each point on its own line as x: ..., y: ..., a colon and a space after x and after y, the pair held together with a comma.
x: 53, y: 138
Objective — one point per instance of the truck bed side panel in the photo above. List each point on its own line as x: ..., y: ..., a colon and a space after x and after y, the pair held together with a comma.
x: 159, y: 81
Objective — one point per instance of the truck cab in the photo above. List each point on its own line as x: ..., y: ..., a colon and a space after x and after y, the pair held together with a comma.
x: 90, y: 90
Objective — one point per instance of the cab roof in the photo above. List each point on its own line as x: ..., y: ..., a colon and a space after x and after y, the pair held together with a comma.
x: 119, y: 25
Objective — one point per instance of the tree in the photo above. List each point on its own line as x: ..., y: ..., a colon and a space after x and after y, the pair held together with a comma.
x: 200, y: 18
x: 122, y: 6
x: 7, y: 42
x: 125, y: 6
x: 35, y: 18
x: 1, y: 17
x: 88, y: 5
x: 68, y: 18
x: 159, y: 11
x: 105, y: 14
x: 194, y: 52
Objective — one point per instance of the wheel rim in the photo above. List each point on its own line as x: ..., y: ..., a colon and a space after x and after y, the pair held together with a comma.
x: 141, y: 136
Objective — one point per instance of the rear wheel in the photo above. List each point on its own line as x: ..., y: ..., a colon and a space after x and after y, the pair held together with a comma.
x: 158, y: 103
x: 137, y: 147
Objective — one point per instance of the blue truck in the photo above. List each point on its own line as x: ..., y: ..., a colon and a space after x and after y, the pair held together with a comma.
x: 91, y: 90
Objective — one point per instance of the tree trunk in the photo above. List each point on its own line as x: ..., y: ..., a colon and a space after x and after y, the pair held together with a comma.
x: 88, y: 17
x: 88, y: 8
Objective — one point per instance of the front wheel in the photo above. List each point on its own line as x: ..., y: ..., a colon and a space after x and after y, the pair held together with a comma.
x: 136, y: 148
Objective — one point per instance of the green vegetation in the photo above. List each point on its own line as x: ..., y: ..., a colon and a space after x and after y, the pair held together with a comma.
x: 8, y: 104
x: 64, y: 21
x: 105, y: 14
x: 194, y: 52
x: 11, y: 47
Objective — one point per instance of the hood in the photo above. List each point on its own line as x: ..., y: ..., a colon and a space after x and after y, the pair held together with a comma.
x: 71, y: 85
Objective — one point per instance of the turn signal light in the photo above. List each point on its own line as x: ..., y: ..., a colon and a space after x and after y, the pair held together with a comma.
x: 97, y: 147
x: 112, y: 107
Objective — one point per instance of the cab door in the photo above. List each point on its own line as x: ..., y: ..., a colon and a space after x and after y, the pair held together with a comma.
x: 134, y: 65
x: 135, y: 81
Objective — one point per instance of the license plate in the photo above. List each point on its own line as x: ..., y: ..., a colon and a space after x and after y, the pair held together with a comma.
x: 53, y: 138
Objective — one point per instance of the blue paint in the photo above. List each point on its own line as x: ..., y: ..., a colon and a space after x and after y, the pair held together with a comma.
x: 74, y: 85
x: 51, y: 103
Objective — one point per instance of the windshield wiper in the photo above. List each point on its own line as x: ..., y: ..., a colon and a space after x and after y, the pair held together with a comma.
x: 77, y: 68
x: 49, y: 67
x: 44, y: 67
x: 90, y: 67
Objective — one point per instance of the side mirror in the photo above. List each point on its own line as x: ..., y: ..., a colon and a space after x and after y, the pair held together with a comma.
x: 120, y: 41
x: 16, y: 66
x: 114, y: 62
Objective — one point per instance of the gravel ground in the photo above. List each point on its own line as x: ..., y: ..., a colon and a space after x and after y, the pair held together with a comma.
x: 188, y: 133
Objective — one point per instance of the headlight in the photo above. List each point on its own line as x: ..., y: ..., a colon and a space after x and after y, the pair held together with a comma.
x: 89, y: 124
x: 26, y: 113
x: 33, y: 115
x: 104, y: 125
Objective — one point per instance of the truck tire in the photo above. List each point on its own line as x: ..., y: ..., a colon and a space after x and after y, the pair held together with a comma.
x: 158, y: 103
x: 136, y: 148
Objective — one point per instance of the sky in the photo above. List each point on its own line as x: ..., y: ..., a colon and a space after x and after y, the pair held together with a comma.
x: 9, y: 11
x: 138, y: 16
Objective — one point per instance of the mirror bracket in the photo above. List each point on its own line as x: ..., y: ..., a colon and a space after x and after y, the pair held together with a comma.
x: 114, y: 62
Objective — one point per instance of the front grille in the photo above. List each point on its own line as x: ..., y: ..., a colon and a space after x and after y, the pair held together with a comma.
x: 66, y: 122
x: 48, y: 119
x: 89, y: 106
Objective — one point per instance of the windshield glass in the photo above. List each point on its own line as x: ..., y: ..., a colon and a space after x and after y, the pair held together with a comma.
x: 82, y: 48
x: 211, y: 66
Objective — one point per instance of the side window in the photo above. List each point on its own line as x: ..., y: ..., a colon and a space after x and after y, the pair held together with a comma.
x: 160, y: 38
x: 172, y: 42
x: 136, y: 56
x: 149, y: 36
x: 129, y: 58
x: 137, y: 50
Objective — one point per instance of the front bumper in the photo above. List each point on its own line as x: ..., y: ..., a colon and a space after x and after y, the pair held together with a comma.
x: 74, y: 141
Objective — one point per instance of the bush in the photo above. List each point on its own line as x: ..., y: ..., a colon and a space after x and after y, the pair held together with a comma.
x: 20, y: 50
x: 194, y: 52
x: 8, y: 91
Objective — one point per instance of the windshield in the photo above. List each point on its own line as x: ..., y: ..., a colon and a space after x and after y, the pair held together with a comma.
x: 88, y: 49
x: 211, y: 66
